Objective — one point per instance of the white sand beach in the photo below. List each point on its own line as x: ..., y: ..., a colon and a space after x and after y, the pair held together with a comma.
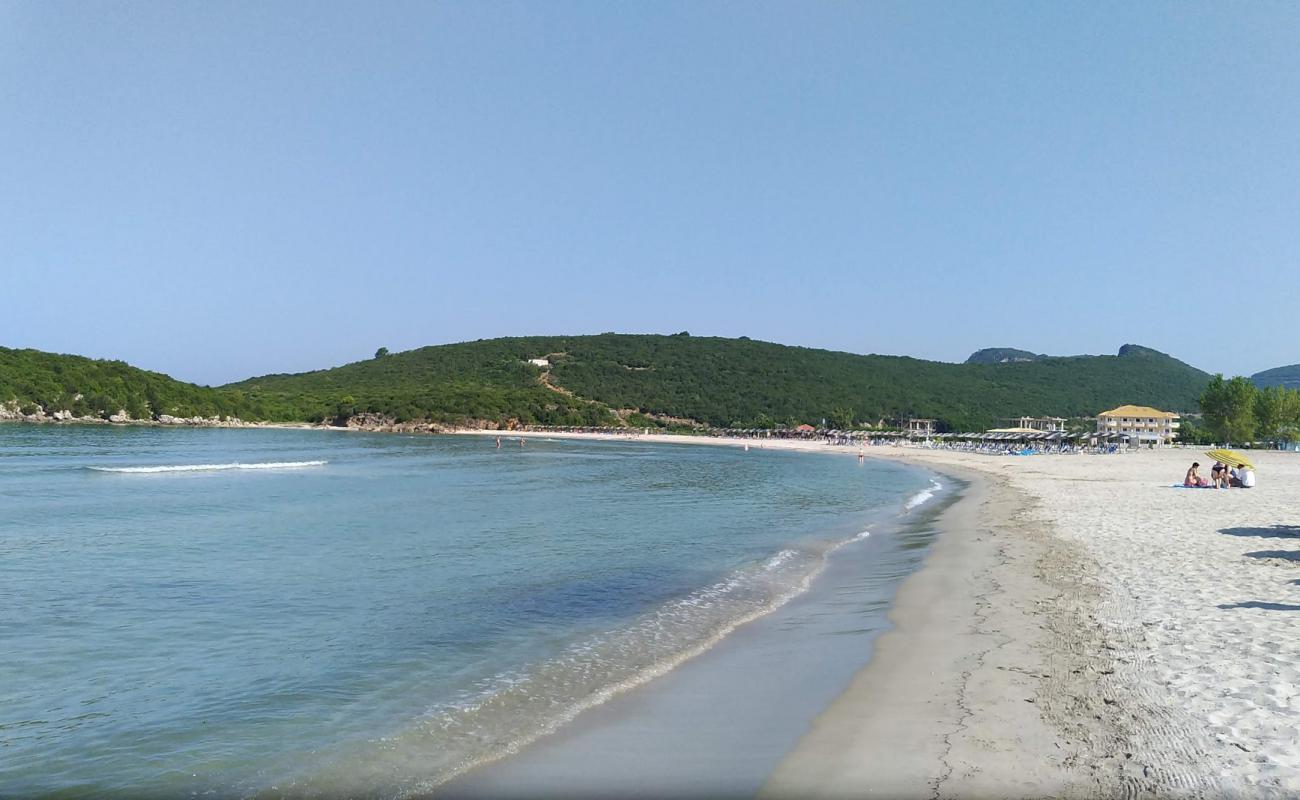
x: 1151, y: 630
x: 1081, y: 629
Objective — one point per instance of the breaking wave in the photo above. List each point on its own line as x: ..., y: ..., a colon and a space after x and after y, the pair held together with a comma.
x: 513, y: 709
x: 922, y: 496
x: 212, y: 467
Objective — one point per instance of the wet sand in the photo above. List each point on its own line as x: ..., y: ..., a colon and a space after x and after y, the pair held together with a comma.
x: 1097, y: 633
x: 949, y: 705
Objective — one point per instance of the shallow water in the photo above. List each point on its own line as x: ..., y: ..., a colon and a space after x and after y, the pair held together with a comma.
x: 720, y: 724
x: 369, y: 614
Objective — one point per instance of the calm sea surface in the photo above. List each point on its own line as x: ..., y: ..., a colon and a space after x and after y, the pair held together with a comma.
x: 297, y: 613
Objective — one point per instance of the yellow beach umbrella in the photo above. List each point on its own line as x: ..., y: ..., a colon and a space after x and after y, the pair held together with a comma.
x: 1230, y: 457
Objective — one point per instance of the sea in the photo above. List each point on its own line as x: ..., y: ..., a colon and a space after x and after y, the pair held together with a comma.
x: 304, y: 613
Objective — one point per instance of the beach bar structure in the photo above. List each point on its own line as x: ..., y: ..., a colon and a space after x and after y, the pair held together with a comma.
x: 920, y: 427
x: 1139, y: 424
x: 1008, y: 432
x: 1046, y: 424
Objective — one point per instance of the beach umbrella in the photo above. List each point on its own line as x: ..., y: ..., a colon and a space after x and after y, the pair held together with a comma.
x: 1230, y: 457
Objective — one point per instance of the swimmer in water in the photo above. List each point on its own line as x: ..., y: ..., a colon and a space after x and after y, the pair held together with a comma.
x: 498, y: 442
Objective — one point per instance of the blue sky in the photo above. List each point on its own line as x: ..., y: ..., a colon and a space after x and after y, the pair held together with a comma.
x: 226, y: 189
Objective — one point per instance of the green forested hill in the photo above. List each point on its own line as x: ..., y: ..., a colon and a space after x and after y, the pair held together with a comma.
x: 1278, y: 376
x: 86, y: 387
x: 1000, y: 355
x: 484, y: 380
x: 721, y: 382
x: 717, y: 381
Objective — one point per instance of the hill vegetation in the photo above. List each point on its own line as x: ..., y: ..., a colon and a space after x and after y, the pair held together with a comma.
x: 640, y: 380
x: 485, y: 380
x: 1002, y: 355
x: 34, y: 381
x: 715, y: 381
x: 1288, y: 377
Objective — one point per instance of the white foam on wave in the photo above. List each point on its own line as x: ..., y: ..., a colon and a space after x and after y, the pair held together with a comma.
x: 922, y: 496
x: 513, y: 709
x: 509, y: 711
x: 779, y: 559
x: 656, y: 644
x: 211, y: 467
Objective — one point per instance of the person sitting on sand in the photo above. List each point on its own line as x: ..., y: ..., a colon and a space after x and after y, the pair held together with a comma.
x: 1226, y: 477
x: 1219, y: 475
x: 1246, y: 477
x: 1239, y: 477
x: 1192, y: 479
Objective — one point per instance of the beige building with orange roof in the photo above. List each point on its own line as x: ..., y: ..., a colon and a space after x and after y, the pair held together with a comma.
x: 1139, y: 423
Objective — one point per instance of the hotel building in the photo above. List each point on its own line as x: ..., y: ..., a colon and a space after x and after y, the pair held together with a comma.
x: 1139, y: 423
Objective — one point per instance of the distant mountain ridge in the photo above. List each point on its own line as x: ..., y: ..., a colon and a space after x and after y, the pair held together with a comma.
x: 1288, y: 377
x: 1011, y: 355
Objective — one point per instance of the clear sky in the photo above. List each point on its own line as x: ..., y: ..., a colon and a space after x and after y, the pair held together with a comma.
x: 217, y: 190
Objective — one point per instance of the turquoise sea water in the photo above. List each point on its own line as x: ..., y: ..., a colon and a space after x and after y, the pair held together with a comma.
x: 298, y: 613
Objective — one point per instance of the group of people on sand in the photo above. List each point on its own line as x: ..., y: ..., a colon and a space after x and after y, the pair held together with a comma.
x: 1221, y: 477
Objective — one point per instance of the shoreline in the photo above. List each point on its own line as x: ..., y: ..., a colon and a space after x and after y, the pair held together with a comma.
x: 972, y: 690
x: 949, y: 705
x: 694, y: 730
x: 1086, y: 632
x: 1123, y: 638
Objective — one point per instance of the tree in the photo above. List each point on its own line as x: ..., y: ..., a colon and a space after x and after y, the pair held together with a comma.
x: 1229, y: 408
x: 381, y: 352
x: 842, y: 416
x: 1191, y: 433
x: 1270, y: 412
x: 344, y: 410
x: 1277, y: 410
